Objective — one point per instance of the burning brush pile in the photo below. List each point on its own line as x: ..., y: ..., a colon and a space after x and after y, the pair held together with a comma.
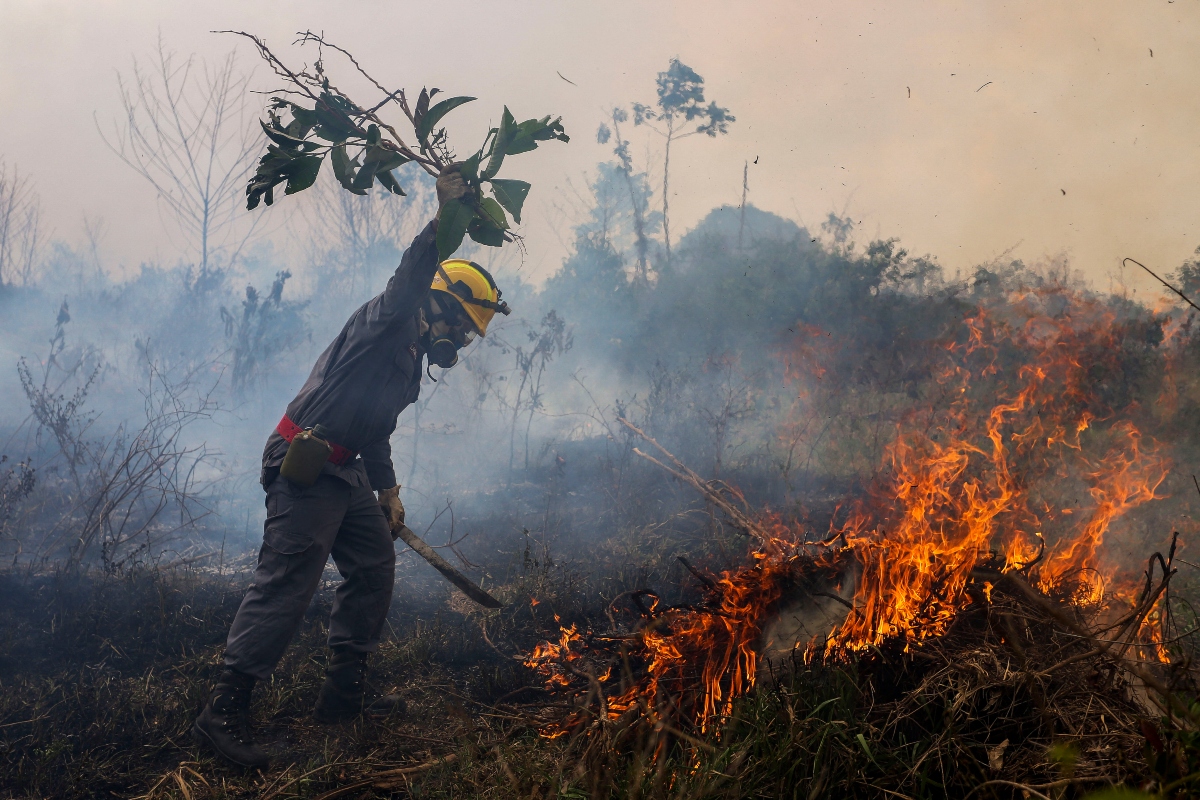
x: 971, y: 590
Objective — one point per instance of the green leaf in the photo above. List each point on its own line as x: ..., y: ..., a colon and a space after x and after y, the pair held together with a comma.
x: 385, y: 158
x: 525, y: 137
x: 493, y: 213
x: 453, y: 220
x: 511, y: 195
x: 485, y: 234
x: 470, y: 168
x: 337, y: 100
x: 552, y: 130
x: 388, y: 181
x: 298, y: 131
x: 434, y: 115
x: 275, y: 159
x: 817, y: 710
x: 334, y: 126
x: 863, y: 742
x: 365, y: 177
x: 261, y: 187
x: 343, y: 168
x: 521, y: 143
x: 305, y: 116
x: 276, y: 166
x: 532, y: 131
x: 390, y: 164
x: 504, y: 136
x: 302, y: 172
x: 281, y: 137
x: 331, y: 134
x: 422, y: 104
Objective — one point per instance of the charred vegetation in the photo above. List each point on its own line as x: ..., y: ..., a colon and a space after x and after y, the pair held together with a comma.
x: 772, y: 513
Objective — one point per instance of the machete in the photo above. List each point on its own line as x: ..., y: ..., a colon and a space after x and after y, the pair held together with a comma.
x: 443, y: 566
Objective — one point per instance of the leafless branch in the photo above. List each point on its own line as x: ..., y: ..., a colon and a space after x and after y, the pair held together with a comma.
x: 21, y: 233
x: 185, y: 131
x: 310, y: 84
x: 713, y: 491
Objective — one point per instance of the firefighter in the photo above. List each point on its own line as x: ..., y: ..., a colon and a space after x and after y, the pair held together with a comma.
x: 349, y: 405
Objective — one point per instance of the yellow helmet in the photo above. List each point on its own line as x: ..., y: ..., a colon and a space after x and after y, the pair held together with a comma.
x: 473, y: 287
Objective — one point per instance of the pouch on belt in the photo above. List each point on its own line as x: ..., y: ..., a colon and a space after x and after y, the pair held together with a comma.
x: 306, y: 456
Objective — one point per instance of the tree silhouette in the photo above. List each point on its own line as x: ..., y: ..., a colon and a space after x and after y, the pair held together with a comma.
x: 680, y: 103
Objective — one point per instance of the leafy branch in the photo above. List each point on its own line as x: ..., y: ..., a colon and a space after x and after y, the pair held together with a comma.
x: 363, y: 149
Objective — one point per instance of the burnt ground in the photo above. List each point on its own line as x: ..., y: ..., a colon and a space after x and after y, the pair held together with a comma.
x: 100, y: 679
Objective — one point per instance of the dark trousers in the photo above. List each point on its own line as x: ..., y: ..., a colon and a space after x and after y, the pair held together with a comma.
x: 304, y: 527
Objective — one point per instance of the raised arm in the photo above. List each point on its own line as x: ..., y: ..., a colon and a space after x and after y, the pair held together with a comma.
x: 408, y: 287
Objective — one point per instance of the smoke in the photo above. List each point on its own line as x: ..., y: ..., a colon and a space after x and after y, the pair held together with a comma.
x: 778, y: 359
x: 807, y: 616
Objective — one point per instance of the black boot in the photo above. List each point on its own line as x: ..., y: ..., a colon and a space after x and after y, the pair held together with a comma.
x: 224, y: 724
x: 343, y: 695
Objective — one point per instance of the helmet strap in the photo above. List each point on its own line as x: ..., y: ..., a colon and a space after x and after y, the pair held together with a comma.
x: 464, y: 293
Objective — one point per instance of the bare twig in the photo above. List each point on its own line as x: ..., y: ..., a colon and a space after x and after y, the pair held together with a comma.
x: 698, y: 575
x: 184, y: 132
x: 1137, y: 668
x: 1186, y: 299
x: 711, y: 490
x: 429, y: 160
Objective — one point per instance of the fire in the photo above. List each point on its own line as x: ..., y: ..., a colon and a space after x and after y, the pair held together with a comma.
x: 558, y: 654
x: 1123, y: 480
x: 1015, y: 462
x: 1019, y: 552
x: 699, y: 660
x: 965, y: 487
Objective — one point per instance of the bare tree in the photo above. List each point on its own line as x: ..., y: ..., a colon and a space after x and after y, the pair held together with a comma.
x: 552, y: 338
x: 186, y: 130
x: 20, y: 226
x: 267, y: 328
x: 125, y: 494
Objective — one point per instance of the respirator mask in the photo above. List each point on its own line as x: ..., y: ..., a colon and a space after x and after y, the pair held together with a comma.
x: 450, y: 330
x: 443, y: 353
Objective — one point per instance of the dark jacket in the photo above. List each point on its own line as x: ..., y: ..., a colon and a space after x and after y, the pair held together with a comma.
x: 368, y: 375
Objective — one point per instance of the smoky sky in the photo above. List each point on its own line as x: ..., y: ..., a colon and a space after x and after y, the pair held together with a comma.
x: 968, y: 130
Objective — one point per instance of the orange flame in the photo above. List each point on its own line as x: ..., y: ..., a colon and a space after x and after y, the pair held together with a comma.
x: 994, y: 472
x: 960, y: 489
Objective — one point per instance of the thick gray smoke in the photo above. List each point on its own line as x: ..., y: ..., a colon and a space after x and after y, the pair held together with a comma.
x: 136, y: 410
x: 773, y: 358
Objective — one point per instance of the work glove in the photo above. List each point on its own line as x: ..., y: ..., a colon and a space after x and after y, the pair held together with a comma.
x: 393, y: 509
x: 450, y: 184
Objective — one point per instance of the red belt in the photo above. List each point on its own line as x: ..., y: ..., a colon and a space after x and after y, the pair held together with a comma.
x: 288, y: 430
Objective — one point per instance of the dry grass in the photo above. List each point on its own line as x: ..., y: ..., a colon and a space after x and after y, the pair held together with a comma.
x: 983, y: 709
x: 101, y: 678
